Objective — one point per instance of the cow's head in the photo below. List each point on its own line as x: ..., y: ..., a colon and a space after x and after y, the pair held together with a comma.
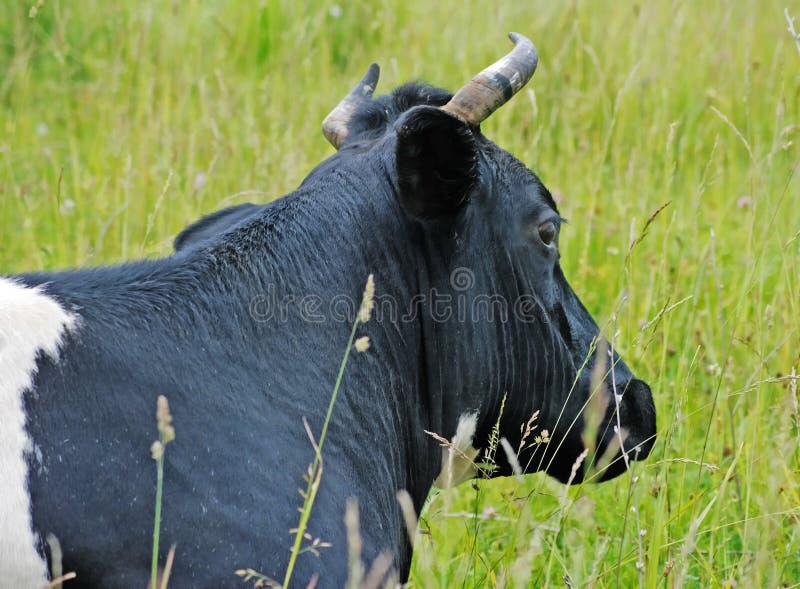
x: 491, y: 232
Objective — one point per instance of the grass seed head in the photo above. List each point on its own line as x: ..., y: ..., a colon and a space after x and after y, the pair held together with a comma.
x: 157, y: 450
x: 367, y: 301
x: 362, y: 344
x: 164, y: 418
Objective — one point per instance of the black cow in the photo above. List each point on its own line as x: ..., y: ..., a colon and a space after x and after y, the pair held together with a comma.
x: 243, y: 329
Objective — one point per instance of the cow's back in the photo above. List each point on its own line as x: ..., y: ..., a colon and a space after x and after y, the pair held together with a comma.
x: 127, y: 336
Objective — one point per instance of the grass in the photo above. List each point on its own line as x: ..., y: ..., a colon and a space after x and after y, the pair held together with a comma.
x: 166, y: 434
x: 315, y: 469
x: 120, y: 122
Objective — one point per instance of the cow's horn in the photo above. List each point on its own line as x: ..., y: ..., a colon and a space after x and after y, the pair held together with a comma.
x: 495, y: 85
x: 336, y: 125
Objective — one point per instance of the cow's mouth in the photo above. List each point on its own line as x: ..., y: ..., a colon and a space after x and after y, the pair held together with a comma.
x: 629, y: 430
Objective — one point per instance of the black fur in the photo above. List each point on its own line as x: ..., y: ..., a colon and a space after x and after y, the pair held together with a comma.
x: 214, y: 224
x: 376, y: 116
x: 195, y: 327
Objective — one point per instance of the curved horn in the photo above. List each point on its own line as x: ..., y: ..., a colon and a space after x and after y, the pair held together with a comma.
x: 335, y: 125
x: 495, y: 85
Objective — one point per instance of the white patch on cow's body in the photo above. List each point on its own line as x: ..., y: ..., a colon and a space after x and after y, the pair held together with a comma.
x: 458, y: 457
x: 30, y: 323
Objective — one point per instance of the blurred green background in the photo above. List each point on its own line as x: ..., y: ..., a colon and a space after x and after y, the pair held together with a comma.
x: 121, y: 122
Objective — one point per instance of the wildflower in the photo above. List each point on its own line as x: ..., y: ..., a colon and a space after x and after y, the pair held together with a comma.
x: 362, y: 344
x: 367, y: 301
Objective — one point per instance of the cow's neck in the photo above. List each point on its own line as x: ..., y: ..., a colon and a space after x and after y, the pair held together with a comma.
x: 323, y: 241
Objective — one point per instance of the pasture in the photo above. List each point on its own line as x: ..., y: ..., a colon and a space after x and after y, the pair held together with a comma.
x: 669, y: 133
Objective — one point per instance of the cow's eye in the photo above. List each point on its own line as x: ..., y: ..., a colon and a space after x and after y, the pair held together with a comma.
x: 548, y: 232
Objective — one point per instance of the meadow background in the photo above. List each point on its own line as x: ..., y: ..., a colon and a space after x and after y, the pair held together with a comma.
x: 121, y: 122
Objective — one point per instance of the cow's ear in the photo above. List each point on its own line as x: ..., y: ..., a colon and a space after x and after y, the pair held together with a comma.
x: 437, y: 159
x: 212, y: 225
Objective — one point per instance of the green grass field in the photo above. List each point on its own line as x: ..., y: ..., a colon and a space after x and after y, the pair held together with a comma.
x: 121, y: 122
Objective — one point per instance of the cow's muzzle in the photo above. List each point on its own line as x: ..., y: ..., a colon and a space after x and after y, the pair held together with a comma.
x: 631, y: 418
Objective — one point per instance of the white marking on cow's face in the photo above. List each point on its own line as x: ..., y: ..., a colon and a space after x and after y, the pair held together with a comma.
x: 458, y: 457
x: 30, y: 323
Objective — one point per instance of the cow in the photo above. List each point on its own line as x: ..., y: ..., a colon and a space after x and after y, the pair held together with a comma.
x: 243, y: 328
